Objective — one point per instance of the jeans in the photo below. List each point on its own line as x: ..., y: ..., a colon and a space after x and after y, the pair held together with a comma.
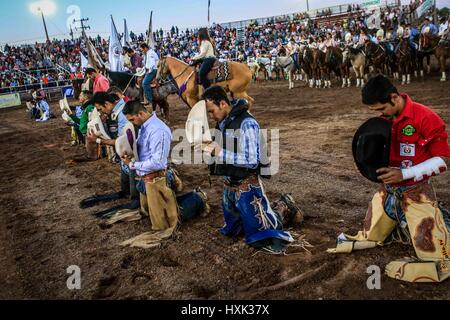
x: 146, y: 85
x: 205, y: 68
x: 191, y: 205
x: 248, y: 210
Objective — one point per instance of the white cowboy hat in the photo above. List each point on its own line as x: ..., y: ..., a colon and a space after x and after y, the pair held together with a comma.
x: 64, y: 106
x: 85, y: 86
x: 426, y: 30
x: 126, y: 143
x: 96, y: 125
x: 400, y: 31
x: 380, y: 33
x: 66, y: 118
x: 140, y: 72
x: 348, y: 37
x: 197, y: 126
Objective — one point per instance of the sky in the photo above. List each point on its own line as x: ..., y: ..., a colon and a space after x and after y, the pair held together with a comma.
x: 19, y: 24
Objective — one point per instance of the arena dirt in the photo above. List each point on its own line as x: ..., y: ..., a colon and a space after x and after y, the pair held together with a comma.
x: 43, y: 231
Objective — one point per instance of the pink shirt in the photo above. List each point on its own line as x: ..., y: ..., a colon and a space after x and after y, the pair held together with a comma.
x: 101, y: 84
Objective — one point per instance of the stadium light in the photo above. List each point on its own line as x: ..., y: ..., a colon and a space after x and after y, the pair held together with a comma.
x: 42, y: 7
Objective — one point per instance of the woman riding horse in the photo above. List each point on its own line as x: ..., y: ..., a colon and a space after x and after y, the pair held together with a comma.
x: 206, y: 57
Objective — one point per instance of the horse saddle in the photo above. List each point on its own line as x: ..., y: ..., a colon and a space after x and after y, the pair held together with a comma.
x: 221, y: 71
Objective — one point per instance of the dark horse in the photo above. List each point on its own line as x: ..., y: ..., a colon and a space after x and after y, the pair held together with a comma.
x: 130, y: 84
x: 379, y: 58
x: 440, y: 48
x: 406, y: 60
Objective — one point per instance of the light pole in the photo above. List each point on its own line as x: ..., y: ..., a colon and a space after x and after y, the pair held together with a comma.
x: 307, y: 5
x: 45, y: 24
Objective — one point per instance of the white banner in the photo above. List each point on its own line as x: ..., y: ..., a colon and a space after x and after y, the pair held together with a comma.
x: 126, y: 34
x: 424, y: 7
x: 115, y: 49
x: 84, y: 61
x: 374, y: 21
x: 10, y: 100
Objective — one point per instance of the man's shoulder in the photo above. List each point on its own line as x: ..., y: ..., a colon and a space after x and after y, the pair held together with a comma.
x: 424, y: 113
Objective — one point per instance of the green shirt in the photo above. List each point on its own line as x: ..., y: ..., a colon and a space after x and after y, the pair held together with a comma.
x: 85, y: 118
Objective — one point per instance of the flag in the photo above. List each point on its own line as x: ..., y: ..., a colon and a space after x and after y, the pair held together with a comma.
x: 126, y: 35
x: 150, y: 38
x: 209, y: 10
x: 94, y: 59
x: 115, y: 49
x: 84, y: 61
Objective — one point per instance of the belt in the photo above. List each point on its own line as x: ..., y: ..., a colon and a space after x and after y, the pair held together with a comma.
x: 235, y: 187
x: 152, y: 176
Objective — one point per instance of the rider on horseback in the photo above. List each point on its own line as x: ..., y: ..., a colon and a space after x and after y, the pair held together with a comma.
x: 206, y: 57
x: 292, y: 50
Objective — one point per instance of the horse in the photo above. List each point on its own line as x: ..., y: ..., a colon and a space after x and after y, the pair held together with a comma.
x: 307, y: 63
x: 254, y: 68
x: 319, y: 67
x: 357, y: 59
x: 265, y: 65
x: 377, y: 57
x: 131, y: 87
x: 184, y: 76
x: 346, y: 65
x: 288, y: 65
x: 405, y: 59
x: 334, y: 61
x: 440, y: 48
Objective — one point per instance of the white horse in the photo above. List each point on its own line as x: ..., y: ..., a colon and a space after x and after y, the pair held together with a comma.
x: 288, y: 65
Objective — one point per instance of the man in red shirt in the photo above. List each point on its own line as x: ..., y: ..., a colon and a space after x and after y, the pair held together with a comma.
x: 101, y: 83
x: 406, y: 209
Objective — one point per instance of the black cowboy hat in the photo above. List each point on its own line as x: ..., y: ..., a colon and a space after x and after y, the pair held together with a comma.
x: 371, y: 147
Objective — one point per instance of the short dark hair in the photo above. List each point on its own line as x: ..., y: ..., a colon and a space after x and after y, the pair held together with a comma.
x: 378, y: 90
x: 90, y: 70
x: 114, y: 90
x: 144, y: 46
x: 132, y: 108
x: 216, y: 94
x: 103, y: 97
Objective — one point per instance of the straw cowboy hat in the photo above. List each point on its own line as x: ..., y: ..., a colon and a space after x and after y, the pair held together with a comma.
x: 197, y: 126
x: 400, y: 31
x: 140, y: 72
x: 126, y: 143
x: 348, y: 37
x: 371, y: 147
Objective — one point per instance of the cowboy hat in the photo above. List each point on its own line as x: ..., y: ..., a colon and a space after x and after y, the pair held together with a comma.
x: 371, y: 147
x: 96, y: 125
x: 197, y: 127
x: 67, y: 118
x: 126, y: 143
x: 140, y: 72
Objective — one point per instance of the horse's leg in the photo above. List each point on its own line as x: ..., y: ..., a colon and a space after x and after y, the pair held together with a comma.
x: 164, y: 105
x: 428, y: 64
x: 442, y: 61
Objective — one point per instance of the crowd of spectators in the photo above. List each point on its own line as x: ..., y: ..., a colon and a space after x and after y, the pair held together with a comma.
x: 47, y: 64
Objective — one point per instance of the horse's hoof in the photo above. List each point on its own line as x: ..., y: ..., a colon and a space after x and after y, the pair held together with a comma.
x: 443, y: 80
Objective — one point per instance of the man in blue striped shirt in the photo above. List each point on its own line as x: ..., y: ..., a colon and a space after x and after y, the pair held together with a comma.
x: 237, y: 157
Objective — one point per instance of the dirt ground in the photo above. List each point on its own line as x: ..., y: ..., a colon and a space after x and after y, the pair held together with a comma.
x: 43, y: 231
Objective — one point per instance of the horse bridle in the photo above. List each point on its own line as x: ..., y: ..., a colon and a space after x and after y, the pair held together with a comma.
x: 165, y: 81
x: 378, y: 56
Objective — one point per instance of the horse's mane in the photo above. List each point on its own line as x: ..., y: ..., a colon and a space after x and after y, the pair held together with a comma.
x: 176, y: 59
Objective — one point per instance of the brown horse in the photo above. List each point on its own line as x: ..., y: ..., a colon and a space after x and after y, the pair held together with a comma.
x: 377, y: 57
x: 335, y: 62
x: 319, y: 67
x: 432, y: 43
x: 405, y: 59
x: 175, y: 70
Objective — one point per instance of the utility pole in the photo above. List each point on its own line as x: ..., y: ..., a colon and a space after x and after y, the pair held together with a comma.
x: 307, y: 5
x: 71, y: 33
x: 83, y: 26
x: 45, y: 24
